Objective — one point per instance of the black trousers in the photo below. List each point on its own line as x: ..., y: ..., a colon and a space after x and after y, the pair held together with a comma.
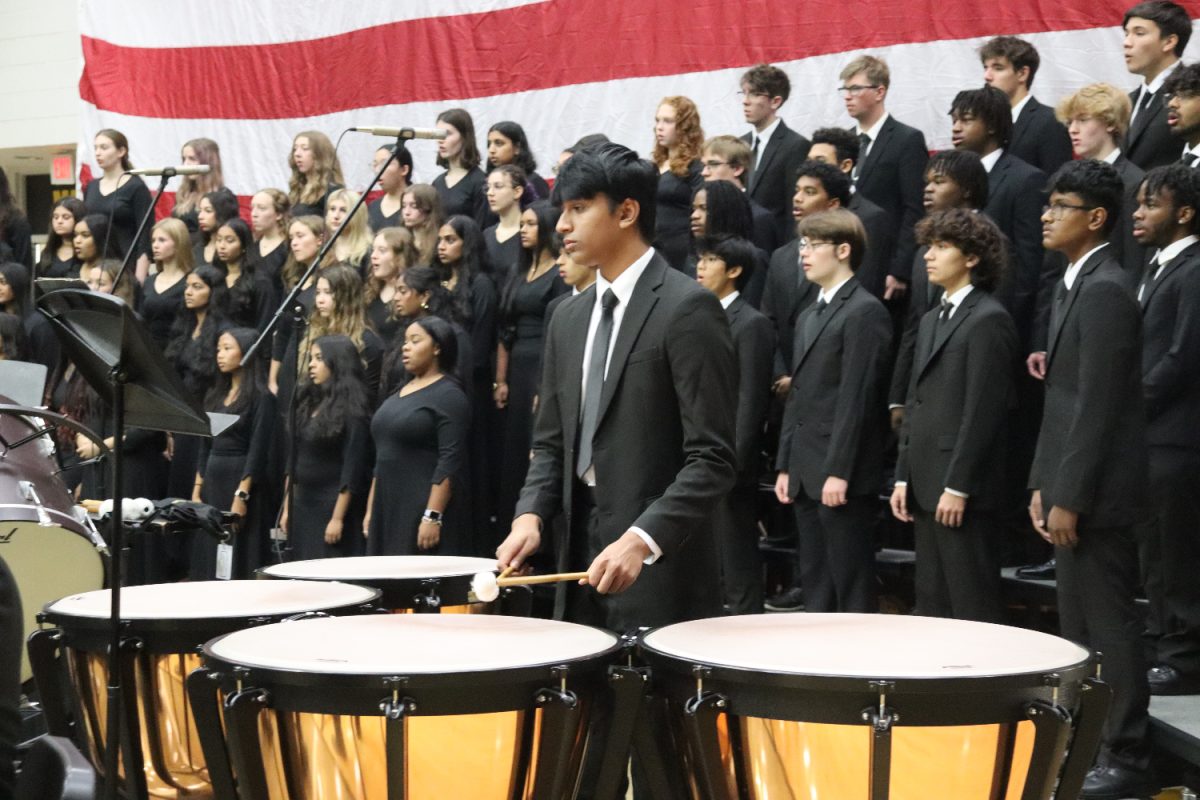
x: 836, y: 554
x: 1097, y: 584
x: 741, y: 564
x: 1169, y: 545
x: 958, y: 569
x: 12, y: 643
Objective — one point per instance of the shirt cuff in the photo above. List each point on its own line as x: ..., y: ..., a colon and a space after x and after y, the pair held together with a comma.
x: 895, y: 405
x: 900, y: 484
x: 655, y: 550
x: 957, y: 493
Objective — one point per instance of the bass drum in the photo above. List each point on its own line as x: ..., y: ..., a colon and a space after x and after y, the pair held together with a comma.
x: 49, y: 550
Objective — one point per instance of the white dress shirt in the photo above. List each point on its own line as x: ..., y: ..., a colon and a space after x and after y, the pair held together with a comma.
x: 763, y: 138
x: 1165, y: 256
x: 1152, y: 87
x: 1073, y: 269
x: 728, y: 299
x: 991, y: 158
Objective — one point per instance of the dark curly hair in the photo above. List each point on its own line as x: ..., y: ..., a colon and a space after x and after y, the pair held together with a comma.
x: 990, y: 106
x: 1185, y: 80
x: 974, y: 235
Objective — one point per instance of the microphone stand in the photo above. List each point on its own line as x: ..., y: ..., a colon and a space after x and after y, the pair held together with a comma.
x: 167, y: 174
x: 289, y: 302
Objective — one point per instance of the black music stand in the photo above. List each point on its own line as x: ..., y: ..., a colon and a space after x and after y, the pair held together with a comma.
x: 114, y: 354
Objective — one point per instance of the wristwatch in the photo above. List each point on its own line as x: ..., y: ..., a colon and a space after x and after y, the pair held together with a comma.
x: 433, y: 516
x: 242, y: 495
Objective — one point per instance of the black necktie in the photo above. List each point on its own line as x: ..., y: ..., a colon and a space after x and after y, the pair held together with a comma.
x: 753, y: 170
x: 1142, y: 105
x: 1060, y: 294
x: 1189, y: 159
x: 595, y: 382
x: 813, y: 324
x: 864, y: 144
x: 947, y: 308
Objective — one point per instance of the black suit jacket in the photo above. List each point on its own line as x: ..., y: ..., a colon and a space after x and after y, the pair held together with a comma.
x: 892, y: 176
x: 766, y: 231
x: 1091, y: 451
x: 787, y: 293
x: 1015, y: 200
x: 663, y: 450
x: 1171, y: 352
x: 835, y: 423
x: 754, y: 346
x: 1039, y: 139
x: 922, y: 296
x: 881, y: 244
x: 1126, y: 249
x: 1149, y: 143
x: 959, y: 398
x: 773, y: 183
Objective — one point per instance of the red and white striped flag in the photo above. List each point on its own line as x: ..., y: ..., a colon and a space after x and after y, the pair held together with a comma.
x: 252, y: 75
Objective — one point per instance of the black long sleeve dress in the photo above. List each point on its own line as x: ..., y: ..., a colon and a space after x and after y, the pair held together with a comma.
x: 485, y: 436
x: 16, y: 239
x: 125, y: 205
x: 420, y: 440
x: 325, y: 466
x: 270, y: 264
x: 251, y: 300
x: 467, y: 197
x: 160, y: 308
x: 51, y: 266
x: 237, y: 452
x: 672, y: 229
x: 502, y: 256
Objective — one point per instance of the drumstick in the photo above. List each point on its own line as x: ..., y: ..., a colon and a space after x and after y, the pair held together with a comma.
x: 528, y: 580
x: 507, y: 571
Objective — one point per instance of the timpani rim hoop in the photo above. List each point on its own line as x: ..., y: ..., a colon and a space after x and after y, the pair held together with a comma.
x: 363, y: 568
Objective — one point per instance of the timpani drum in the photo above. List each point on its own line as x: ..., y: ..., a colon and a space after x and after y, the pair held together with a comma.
x: 420, y: 584
x: 403, y: 707
x: 163, y: 628
x: 853, y: 706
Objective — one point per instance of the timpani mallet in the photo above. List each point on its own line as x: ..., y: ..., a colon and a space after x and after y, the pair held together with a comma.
x: 486, y: 585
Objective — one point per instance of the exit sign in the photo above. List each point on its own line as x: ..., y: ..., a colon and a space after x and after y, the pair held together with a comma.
x: 62, y: 170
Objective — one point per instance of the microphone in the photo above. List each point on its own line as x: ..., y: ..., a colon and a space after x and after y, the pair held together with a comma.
x: 403, y: 133
x: 170, y: 172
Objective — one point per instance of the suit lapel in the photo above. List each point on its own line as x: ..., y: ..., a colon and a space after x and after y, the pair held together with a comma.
x: 944, y: 331
x: 998, y: 176
x: 1021, y: 126
x: 1061, y: 316
x: 644, y: 298
x: 1142, y: 121
x: 835, y: 306
x: 1150, y: 285
x: 734, y: 309
x: 576, y: 336
x: 877, y: 147
x: 768, y: 154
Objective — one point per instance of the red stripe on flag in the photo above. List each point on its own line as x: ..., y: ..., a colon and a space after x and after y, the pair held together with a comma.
x: 534, y: 47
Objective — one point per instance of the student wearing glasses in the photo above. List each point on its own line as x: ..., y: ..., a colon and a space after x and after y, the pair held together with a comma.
x: 776, y: 151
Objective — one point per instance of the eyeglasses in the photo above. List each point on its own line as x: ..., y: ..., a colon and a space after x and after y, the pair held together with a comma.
x: 752, y: 94
x: 811, y: 244
x: 1057, y: 210
x: 713, y: 163
x: 855, y: 88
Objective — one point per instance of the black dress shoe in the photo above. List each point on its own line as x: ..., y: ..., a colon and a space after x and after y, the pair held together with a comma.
x: 1165, y: 680
x: 1038, y: 572
x: 789, y: 600
x: 1113, y: 782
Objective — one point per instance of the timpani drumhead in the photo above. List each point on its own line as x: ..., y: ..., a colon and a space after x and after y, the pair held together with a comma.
x: 359, y: 568
x: 422, y: 644
x: 871, y: 646
x: 214, y: 600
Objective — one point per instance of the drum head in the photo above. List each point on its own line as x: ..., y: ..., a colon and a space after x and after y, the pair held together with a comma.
x: 361, y: 568
x: 871, y: 646
x: 47, y: 563
x: 415, y: 644
x: 213, y: 600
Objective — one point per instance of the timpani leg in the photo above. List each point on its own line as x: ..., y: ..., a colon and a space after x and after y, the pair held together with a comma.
x: 700, y: 727
x: 241, y: 721
x: 206, y: 710
x: 1052, y: 729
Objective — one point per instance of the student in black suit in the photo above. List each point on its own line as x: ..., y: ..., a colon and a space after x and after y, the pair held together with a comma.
x: 950, y: 468
x: 776, y: 151
x: 1167, y: 218
x: 1010, y: 65
x: 788, y: 292
x: 1097, y: 117
x: 982, y: 123
x: 1089, y: 471
x: 726, y: 158
x: 1183, y: 111
x: 640, y: 454
x: 1156, y: 33
x: 891, y: 160
x: 724, y: 268
x: 830, y: 457
x: 953, y: 179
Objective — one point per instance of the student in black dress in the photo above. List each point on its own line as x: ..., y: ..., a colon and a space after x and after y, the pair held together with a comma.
x: 420, y: 294
x: 121, y: 198
x: 384, y: 212
x: 421, y: 211
x: 190, y: 350
x: 233, y: 463
x: 14, y: 299
x: 462, y: 186
x: 269, y: 221
x: 678, y: 141
x: 162, y: 293
x: 16, y: 243
x: 392, y: 252
x: 417, y: 502
x: 333, y: 456
x: 353, y: 245
x: 193, y: 187
x: 507, y: 144
x: 89, y: 243
x: 214, y: 210
x: 251, y: 296
x: 523, y: 303
x: 316, y: 173
x: 306, y: 235
x: 58, y: 256
x: 506, y: 198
